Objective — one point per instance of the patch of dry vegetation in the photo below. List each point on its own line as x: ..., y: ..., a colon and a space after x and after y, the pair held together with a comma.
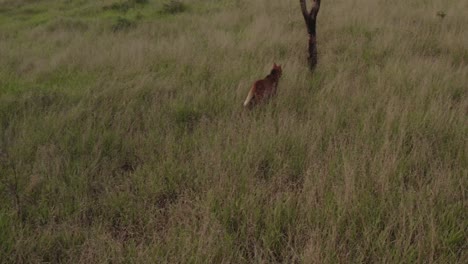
x: 132, y: 145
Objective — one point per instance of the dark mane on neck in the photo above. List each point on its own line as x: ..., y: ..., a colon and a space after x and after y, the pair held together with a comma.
x: 274, y: 75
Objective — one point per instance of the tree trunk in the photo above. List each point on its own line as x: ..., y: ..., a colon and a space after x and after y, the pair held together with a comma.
x: 310, y: 19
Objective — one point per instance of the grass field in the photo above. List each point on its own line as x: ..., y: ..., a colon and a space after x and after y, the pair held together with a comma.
x: 123, y: 138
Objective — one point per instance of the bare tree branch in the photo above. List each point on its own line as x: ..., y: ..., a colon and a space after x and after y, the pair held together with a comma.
x: 304, y: 10
x: 315, y: 9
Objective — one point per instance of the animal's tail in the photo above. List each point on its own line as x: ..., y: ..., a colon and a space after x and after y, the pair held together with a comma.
x: 249, y: 97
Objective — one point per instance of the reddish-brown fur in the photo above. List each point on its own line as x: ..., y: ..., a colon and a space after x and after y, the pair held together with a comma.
x: 264, y: 89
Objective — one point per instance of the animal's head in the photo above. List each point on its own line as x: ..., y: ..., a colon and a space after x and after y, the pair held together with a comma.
x: 277, y: 70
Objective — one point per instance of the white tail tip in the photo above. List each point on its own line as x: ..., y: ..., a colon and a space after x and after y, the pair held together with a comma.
x: 249, y: 98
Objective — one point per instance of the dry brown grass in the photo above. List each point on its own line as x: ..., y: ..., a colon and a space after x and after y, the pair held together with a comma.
x: 131, y: 145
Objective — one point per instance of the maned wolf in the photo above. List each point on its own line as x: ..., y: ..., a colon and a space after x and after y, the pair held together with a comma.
x: 264, y: 89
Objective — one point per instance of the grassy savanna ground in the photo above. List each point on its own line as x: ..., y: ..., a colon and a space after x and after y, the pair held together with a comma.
x: 123, y: 138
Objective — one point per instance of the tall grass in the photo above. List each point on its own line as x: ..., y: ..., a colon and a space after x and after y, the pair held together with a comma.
x: 131, y: 145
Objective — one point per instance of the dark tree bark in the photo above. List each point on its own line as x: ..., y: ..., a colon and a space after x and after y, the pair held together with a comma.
x: 310, y: 19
